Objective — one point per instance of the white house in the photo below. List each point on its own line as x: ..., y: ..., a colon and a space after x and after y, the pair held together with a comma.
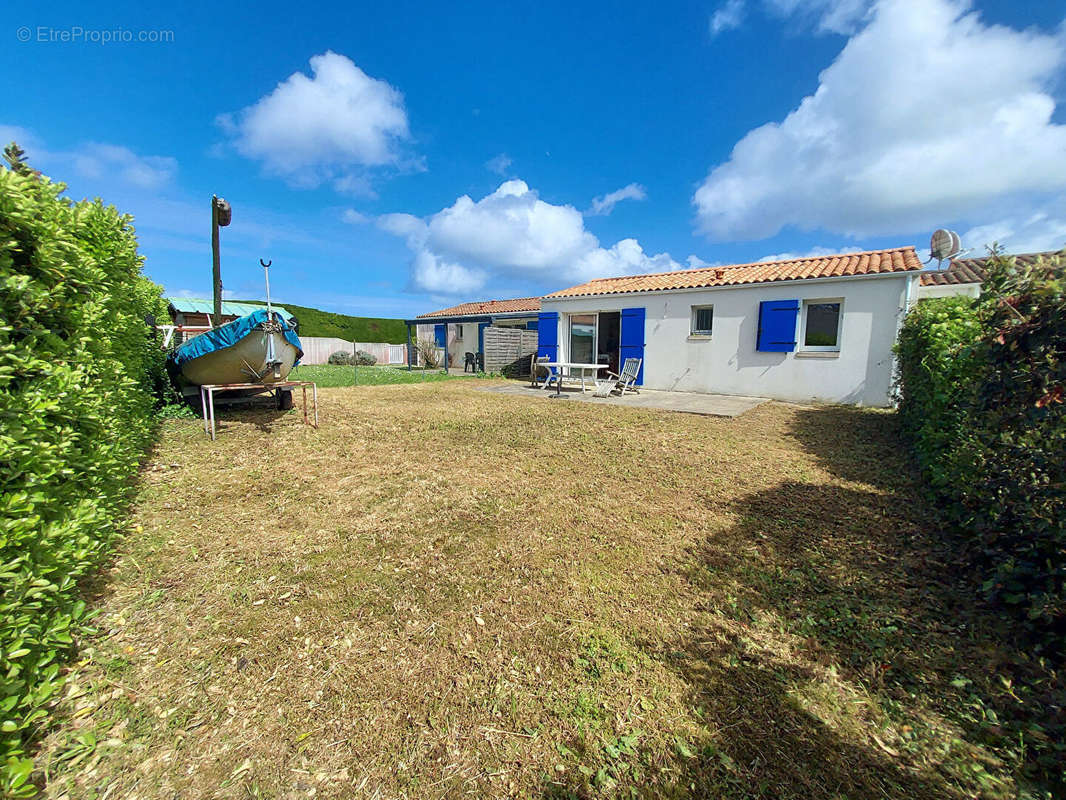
x: 809, y: 329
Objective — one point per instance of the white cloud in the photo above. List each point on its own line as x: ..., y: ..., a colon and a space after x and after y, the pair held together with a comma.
x: 327, y: 127
x: 826, y: 16
x: 604, y: 205
x: 499, y: 164
x: 728, y: 16
x: 835, y: 16
x: 511, y: 234
x: 927, y: 116
x: 353, y: 217
x: 812, y: 253
x: 695, y: 262
x: 1038, y: 230
x: 95, y: 160
x: 13, y: 133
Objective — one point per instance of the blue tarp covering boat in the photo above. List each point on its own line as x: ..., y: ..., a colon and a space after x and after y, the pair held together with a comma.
x: 260, y: 347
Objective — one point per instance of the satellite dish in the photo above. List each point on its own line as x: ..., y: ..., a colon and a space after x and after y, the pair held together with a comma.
x: 944, y: 244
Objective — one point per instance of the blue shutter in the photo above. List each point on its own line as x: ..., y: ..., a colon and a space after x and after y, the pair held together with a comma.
x: 777, y: 325
x: 631, y: 339
x: 548, y: 335
x: 440, y: 335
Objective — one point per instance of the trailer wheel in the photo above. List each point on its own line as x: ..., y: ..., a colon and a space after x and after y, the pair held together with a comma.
x: 284, y: 397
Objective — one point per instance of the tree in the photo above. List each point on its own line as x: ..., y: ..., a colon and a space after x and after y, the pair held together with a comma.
x: 15, y: 157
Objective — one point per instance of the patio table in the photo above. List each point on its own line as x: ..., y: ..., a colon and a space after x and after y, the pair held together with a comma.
x: 570, y: 366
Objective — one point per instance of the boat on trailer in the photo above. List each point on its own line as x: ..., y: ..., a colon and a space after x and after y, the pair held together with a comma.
x: 258, y: 348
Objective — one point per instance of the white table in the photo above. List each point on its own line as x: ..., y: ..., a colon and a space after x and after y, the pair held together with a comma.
x: 570, y: 366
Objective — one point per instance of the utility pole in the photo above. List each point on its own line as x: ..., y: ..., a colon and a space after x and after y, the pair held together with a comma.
x: 221, y: 216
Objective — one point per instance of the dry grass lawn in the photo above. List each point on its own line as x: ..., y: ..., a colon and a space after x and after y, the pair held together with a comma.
x: 445, y: 592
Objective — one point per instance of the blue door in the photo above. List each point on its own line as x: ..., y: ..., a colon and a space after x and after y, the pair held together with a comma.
x: 548, y: 335
x: 631, y: 339
x: 440, y: 335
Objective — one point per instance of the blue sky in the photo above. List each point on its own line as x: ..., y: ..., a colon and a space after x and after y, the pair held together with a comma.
x: 395, y: 159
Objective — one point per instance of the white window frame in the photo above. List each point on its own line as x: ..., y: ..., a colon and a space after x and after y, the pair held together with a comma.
x: 692, y: 332
x: 821, y: 348
x: 595, y: 335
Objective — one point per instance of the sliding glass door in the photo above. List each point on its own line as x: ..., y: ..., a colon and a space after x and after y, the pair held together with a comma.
x: 583, y: 338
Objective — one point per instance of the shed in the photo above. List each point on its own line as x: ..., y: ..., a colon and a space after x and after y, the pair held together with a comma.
x: 462, y: 329
x: 194, y: 312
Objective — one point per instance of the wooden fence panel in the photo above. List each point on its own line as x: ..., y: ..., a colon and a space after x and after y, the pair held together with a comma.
x: 508, y: 350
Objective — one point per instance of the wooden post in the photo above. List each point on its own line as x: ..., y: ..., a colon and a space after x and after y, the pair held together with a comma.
x: 410, y: 350
x: 216, y: 266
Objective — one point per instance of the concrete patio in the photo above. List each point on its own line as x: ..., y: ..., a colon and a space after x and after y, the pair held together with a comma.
x: 711, y: 405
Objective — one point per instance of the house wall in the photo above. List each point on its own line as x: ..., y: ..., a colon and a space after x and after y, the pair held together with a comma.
x: 728, y: 362
x: 950, y: 290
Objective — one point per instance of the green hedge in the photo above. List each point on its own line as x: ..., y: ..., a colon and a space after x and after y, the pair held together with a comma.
x: 77, y: 373
x: 983, y: 401
x: 315, y: 322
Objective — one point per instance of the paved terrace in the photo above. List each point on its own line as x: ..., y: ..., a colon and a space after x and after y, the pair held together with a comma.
x: 711, y: 405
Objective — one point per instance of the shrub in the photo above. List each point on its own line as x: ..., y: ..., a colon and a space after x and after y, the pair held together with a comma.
x: 341, y: 357
x: 982, y: 387
x: 365, y: 359
x: 937, y: 363
x: 429, y: 353
x: 1016, y: 501
x: 77, y: 369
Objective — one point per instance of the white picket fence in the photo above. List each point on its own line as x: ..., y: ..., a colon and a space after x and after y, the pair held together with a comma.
x: 318, y: 349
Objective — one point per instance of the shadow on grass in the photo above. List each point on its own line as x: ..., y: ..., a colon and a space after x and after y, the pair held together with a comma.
x: 840, y: 650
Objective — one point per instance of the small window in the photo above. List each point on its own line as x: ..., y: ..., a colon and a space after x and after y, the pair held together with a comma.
x: 702, y: 320
x: 459, y: 331
x: 821, y: 324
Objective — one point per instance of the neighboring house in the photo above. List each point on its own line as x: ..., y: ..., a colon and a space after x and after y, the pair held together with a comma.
x: 800, y: 330
x: 460, y: 328
x: 192, y: 312
x: 964, y: 276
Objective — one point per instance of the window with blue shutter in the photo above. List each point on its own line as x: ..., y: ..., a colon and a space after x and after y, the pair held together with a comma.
x: 777, y: 325
x: 548, y: 335
x: 440, y: 335
x: 631, y: 339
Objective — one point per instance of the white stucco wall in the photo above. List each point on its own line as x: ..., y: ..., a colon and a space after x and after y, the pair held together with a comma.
x: 728, y: 363
x: 950, y: 290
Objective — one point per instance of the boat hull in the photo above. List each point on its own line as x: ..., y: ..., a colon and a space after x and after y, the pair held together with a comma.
x: 243, y: 362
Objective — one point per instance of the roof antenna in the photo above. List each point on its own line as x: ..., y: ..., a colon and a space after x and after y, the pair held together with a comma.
x: 944, y: 246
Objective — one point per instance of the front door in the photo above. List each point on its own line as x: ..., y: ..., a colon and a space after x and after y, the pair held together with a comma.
x: 607, y: 339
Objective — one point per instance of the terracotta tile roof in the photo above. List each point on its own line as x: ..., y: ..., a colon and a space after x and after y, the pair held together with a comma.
x: 899, y: 259
x: 487, y: 307
x: 972, y: 270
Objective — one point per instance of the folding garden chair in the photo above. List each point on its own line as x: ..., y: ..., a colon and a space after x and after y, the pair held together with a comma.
x: 623, y: 382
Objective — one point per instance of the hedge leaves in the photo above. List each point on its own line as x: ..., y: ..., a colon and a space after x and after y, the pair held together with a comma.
x: 77, y: 370
x: 983, y: 401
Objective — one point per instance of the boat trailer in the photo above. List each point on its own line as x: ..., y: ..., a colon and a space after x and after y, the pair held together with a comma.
x: 208, y: 391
